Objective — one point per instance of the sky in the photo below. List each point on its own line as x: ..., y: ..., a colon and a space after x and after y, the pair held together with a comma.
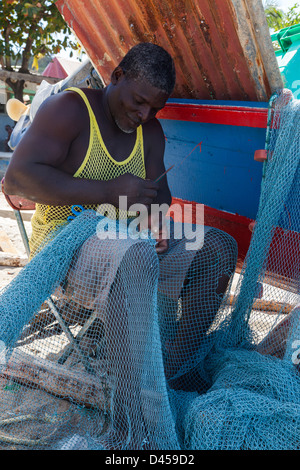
x: 286, y: 4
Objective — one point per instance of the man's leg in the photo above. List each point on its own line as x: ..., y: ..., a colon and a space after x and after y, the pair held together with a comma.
x: 128, y: 329
x: 201, y: 297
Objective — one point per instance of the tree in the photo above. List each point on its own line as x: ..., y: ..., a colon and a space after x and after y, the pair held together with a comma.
x: 28, y: 29
x: 277, y: 18
x: 292, y: 16
x: 274, y: 15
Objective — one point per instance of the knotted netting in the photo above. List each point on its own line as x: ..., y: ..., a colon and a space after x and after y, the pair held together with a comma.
x: 107, y: 345
x: 253, y: 402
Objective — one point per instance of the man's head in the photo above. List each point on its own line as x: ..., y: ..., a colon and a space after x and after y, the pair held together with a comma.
x: 141, y: 85
x: 147, y: 61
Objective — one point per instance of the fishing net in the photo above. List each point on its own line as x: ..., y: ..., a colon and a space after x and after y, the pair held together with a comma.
x: 107, y: 345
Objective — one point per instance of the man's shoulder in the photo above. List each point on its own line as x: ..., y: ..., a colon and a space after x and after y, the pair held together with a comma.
x: 66, y: 106
x: 154, y: 138
x: 60, y: 115
x: 61, y: 103
x: 153, y: 128
x: 92, y: 95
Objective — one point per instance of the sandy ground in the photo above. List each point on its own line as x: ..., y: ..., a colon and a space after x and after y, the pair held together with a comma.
x: 8, y: 224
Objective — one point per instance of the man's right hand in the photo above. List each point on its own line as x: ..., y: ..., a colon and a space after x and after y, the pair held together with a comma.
x: 136, y: 189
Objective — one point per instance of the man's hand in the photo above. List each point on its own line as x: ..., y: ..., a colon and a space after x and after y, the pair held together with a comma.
x: 158, y: 227
x: 162, y: 245
x: 136, y: 189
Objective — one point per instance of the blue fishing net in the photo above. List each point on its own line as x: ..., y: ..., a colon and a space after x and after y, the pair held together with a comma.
x: 107, y: 345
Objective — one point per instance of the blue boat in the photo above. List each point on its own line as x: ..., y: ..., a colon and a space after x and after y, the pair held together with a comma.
x: 287, y: 44
x: 217, y: 117
x: 226, y: 71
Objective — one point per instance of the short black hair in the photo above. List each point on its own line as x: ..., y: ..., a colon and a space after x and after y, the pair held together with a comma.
x: 152, y: 63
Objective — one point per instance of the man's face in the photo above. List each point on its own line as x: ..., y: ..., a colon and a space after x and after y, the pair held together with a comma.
x: 135, y: 102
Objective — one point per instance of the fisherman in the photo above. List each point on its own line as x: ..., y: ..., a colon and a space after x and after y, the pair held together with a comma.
x: 89, y: 147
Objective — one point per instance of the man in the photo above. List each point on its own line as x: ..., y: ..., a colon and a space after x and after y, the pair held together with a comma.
x: 45, y: 167
x: 90, y: 147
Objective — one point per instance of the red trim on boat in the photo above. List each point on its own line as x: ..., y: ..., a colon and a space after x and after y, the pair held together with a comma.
x: 234, y: 224
x: 216, y: 114
x: 238, y: 227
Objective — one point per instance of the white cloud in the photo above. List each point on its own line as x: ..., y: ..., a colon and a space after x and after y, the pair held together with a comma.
x: 286, y: 4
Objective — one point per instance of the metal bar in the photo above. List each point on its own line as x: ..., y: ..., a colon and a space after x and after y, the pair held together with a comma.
x: 70, y: 337
x: 69, y: 349
x: 22, y: 231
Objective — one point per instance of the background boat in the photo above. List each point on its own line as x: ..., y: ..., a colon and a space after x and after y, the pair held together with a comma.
x: 287, y: 43
x: 226, y: 73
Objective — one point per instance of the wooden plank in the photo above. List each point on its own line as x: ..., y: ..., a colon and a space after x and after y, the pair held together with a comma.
x: 80, y: 387
x: 267, y: 306
x: 9, y: 259
x: 28, y: 77
x: 9, y: 213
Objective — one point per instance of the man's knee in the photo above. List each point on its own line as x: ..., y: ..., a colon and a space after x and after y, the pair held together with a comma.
x: 214, y: 263
x: 141, y: 258
x: 221, y: 248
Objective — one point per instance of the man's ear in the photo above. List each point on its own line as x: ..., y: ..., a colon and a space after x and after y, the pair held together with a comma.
x: 117, y: 75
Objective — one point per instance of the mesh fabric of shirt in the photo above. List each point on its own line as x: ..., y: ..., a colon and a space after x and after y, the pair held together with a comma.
x: 98, y: 164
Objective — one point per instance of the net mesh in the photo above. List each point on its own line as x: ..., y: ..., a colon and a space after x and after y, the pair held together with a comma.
x: 106, y: 345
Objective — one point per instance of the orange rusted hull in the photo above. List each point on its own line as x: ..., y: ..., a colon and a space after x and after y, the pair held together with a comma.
x: 221, y: 49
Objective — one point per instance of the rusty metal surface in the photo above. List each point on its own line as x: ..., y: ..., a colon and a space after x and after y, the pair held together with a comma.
x: 220, y: 47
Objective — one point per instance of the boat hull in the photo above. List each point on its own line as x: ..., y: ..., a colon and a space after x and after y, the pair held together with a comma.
x: 212, y: 147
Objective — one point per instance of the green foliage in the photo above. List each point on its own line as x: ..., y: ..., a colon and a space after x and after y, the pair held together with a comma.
x: 278, y: 19
x: 292, y: 16
x: 274, y: 17
x: 28, y: 29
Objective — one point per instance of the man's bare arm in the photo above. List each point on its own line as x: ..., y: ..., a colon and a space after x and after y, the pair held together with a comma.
x: 35, y: 171
x: 155, y: 167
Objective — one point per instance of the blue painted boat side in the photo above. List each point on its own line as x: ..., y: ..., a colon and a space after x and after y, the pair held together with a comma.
x: 221, y: 172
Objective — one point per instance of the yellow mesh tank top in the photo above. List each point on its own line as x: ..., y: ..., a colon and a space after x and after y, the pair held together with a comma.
x: 98, y: 164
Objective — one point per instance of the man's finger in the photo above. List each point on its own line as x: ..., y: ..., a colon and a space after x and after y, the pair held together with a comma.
x: 152, y: 184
